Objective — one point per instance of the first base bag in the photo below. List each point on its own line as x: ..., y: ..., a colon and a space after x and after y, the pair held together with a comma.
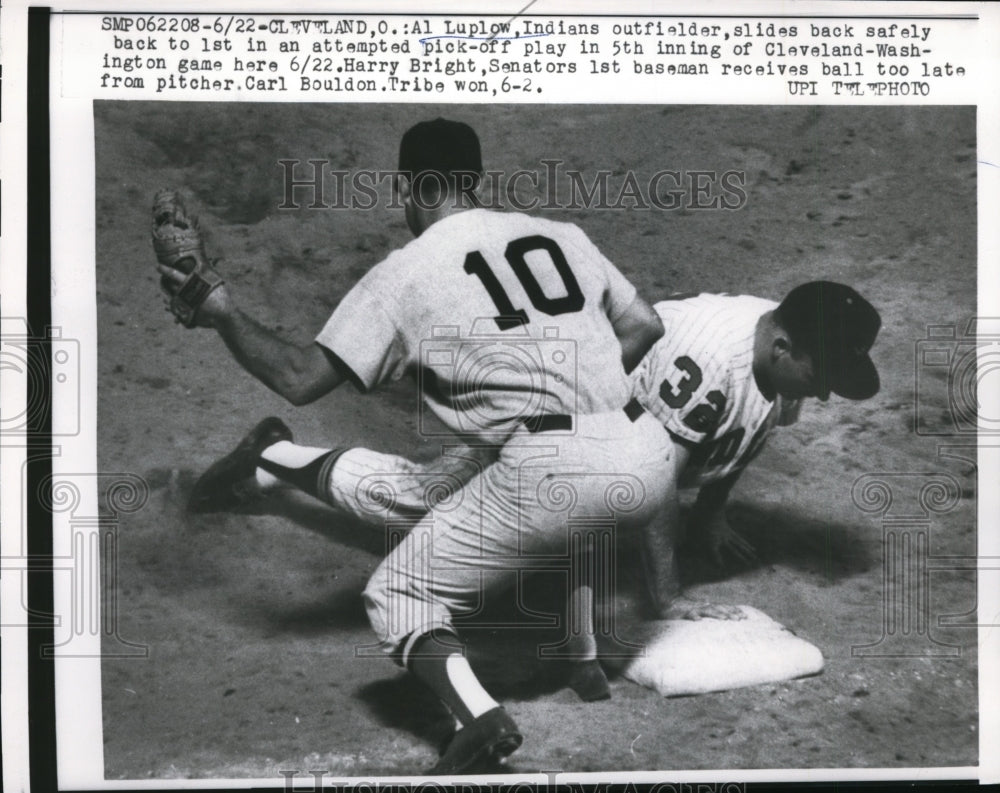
x: 698, y: 656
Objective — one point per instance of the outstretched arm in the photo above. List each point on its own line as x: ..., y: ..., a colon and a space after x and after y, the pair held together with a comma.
x: 198, y: 297
x: 299, y: 373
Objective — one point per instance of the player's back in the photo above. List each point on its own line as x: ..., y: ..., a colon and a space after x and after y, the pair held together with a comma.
x: 710, y: 325
x: 505, y: 317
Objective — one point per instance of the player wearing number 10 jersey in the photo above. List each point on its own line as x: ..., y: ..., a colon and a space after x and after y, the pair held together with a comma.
x: 502, y: 316
x: 520, y: 333
x: 726, y: 372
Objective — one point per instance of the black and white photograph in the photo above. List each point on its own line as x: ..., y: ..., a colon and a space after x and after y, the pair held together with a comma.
x: 542, y: 395
x: 257, y: 601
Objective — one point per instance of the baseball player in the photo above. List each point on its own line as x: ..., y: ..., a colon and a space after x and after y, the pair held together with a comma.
x: 725, y: 373
x: 729, y: 369
x: 528, y: 333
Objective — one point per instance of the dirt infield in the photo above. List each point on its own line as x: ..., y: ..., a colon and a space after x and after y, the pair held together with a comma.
x: 252, y: 620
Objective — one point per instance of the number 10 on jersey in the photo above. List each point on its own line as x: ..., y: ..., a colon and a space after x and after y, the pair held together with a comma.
x: 507, y: 315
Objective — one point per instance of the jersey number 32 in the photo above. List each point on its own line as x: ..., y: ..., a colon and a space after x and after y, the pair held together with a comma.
x: 703, y: 417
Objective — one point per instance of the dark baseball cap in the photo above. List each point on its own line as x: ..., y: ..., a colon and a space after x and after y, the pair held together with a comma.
x: 837, y: 327
x: 440, y: 145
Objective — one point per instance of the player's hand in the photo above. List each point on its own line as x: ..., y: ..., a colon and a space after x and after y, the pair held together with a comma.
x: 194, y: 289
x: 686, y: 609
x: 726, y: 546
x: 215, y: 306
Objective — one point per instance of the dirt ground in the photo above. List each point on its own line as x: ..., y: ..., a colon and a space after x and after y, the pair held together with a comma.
x: 252, y: 619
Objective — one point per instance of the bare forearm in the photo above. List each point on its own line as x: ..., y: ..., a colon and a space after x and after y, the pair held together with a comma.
x: 660, y: 560
x: 296, y: 373
x: 713, y: 496
x: 200, y: 298
x: 638, y: 329
x: 634, y: 351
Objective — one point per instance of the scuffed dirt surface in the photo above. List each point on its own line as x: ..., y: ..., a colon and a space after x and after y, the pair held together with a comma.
x: 252, y: 619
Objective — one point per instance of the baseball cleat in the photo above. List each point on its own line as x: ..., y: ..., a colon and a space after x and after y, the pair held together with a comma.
x: 588, y: 680
x: 231, y: 480
x: 479, y: 744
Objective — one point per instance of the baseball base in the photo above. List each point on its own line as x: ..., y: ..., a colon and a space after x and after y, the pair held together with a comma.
x: 696, y: 657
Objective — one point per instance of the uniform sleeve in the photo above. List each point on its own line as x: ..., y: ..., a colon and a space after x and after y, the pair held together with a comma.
x: 618, y: 291
x: 702, y: 393
x: 365, y: 337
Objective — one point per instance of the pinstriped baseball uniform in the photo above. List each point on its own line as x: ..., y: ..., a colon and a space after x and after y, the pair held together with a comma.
x: 698, y: 381
x: 506, y: 320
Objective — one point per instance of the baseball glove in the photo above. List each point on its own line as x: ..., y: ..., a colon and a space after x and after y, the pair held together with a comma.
x: 178, y: 245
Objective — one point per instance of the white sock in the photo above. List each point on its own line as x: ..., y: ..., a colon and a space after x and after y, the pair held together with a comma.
x: 292, y: 455
x: 289, y: 455
x: 468, y: 687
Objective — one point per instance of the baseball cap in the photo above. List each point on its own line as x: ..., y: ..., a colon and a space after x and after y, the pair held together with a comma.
x: 837, y: 327
x: 440, y: 145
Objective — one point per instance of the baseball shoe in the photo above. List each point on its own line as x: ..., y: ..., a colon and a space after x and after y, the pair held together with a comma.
x: 588, y: 680
x: 230, y: 480
x: 476, y: 746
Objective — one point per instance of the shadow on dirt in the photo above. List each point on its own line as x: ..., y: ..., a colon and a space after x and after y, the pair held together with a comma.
x: 306, y: 513
x: 784, y: 536
x: 779, y: 535
x: 323, y: 520
x: 403, y: 702
x: 337, y: 610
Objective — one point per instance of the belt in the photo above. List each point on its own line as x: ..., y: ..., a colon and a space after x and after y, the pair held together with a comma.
x: 633, y: 410
x: 548, y: 423
x: 562, y: 422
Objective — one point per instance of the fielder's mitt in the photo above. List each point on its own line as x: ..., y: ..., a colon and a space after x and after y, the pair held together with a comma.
x: 178, y: 245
